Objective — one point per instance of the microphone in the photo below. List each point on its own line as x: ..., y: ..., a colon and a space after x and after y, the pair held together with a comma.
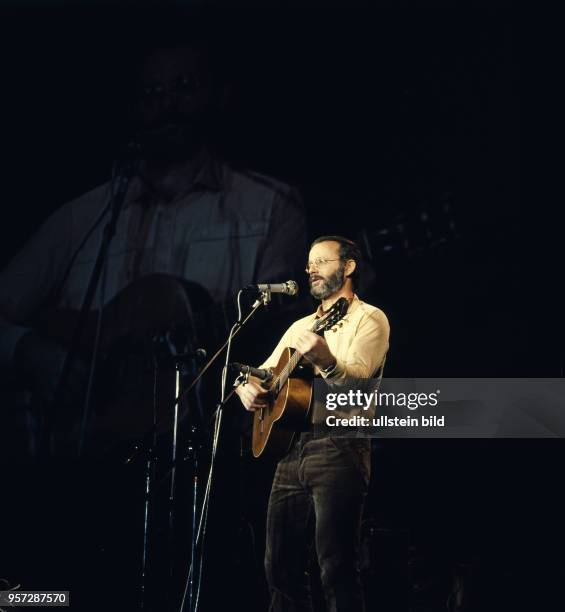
x: 289, y: 288
x: 264, y: 375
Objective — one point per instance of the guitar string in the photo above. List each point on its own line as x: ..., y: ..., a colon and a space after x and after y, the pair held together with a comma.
x: 297, y: 356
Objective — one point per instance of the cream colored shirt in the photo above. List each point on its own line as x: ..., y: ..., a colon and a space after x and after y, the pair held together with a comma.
x: 359, y: 345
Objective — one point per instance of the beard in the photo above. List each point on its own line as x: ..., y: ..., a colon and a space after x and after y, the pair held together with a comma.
x: 169, y: 143
x: 174, y: 136
x: 329, y: 285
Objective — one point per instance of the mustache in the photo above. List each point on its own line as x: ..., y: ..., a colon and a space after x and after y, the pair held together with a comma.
x: 315, y: 277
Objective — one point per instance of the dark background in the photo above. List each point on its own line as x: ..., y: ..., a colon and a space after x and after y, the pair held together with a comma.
x: 375, y: 115
x: 370, y: 113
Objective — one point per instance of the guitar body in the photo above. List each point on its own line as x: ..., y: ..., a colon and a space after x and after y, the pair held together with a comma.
x: 137, y: 327
x: 274, y: 427
x: 291, y: 394
x: 156, y: 306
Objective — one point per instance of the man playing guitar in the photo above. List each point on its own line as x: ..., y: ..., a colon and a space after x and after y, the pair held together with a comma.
x: 322, y: 479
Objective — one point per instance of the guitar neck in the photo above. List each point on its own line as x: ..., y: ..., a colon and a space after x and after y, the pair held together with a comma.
x: 327, y: 321
x: 285, y: 373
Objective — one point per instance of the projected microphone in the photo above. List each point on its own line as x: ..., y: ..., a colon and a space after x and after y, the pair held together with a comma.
x: 265, y: 375
x: 289, y: 288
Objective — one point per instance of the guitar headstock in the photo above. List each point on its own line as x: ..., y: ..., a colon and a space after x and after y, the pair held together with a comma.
x: 333, y: 316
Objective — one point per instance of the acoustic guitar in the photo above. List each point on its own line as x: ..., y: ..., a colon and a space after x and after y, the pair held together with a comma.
x: 290, y: 395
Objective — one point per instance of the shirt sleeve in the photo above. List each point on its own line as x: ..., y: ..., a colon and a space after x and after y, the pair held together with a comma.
x: 286, y: 245
x: 366, y: 352
x: 31, y: 277
x: 285, y: 341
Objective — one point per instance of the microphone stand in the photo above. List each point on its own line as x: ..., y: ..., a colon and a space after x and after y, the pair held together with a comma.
x: 124, y: 171
x: 194, y: 563
x: 165, y: 353
x: 189, y: 588
x: 146, y: 438
x: 145, y: 447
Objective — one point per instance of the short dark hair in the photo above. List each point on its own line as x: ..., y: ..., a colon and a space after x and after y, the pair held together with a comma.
x: 347, y: 250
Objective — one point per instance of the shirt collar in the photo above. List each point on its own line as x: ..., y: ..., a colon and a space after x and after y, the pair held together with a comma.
x: 353, y: 305
x: 209, y: 176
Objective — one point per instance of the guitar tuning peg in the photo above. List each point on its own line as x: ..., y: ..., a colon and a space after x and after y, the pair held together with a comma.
x: 340, y: 323
x: 334, y: 329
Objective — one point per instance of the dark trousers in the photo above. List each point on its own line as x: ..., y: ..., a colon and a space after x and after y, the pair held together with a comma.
x: 322, y: 482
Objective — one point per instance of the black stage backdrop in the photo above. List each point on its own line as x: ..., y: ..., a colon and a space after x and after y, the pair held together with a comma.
x: 371, y: 114
x: 381, y: 117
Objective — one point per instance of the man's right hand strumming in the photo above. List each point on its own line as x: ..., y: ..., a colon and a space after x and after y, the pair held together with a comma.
x: 253, y: 395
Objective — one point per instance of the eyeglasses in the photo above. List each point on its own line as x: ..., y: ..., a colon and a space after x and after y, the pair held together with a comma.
x: 318, y: 262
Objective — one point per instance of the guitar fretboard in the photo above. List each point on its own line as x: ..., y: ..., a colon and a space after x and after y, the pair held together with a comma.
x: 294, y: 360
x: 284, y: 374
